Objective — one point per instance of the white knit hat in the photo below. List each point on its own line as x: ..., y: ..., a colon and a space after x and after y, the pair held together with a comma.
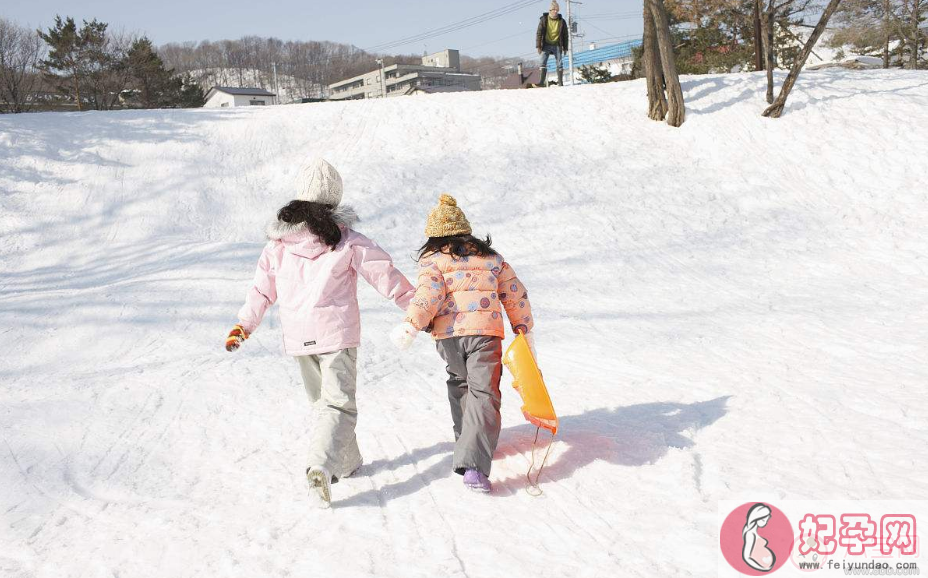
x: 555, y: 6
x: 320, y: 183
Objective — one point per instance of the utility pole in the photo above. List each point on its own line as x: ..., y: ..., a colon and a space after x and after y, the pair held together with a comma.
x: 276, y: 86
x: 383, y: 80
x: 570, y: 41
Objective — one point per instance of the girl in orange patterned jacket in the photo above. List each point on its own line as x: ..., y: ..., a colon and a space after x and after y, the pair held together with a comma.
x: 464, y: 286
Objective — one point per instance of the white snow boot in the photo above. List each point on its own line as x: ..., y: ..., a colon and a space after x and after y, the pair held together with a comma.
x: 320, y: 480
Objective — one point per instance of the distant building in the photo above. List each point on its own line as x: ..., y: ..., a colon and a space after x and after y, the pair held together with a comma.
x: 224, y: 96
x: 616, y: 58
x: 520, y: 79
x: 442, y: 69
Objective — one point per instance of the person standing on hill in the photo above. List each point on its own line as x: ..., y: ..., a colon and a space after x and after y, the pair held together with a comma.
x: 552, y: 39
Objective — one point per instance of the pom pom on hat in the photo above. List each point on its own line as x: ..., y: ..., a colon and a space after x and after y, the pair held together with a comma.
x: 555, y: 6
x: 447, y: 220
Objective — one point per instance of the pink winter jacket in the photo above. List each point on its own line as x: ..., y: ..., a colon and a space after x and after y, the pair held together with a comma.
x: 461, y: 296
x: 316, y: 287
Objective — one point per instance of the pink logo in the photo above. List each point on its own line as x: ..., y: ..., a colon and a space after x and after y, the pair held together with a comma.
x: 756, y: 539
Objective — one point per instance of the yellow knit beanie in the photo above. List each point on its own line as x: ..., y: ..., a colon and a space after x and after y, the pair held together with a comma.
x: 447, y: 220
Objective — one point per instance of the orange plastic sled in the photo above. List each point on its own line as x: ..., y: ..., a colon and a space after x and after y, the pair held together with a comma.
x: 527, y: 380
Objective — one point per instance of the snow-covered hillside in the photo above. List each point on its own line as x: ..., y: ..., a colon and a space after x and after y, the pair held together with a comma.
x: 733, y: 309
x: 287, y: 88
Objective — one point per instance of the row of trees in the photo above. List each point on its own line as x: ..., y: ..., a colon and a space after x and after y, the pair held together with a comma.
x: 103, y: 71
x: 21, y: 52
x: 724, y: 35
x: 894, y: 30
x: 86, y: 67
x: 303, y: 68
x: 721, y: 35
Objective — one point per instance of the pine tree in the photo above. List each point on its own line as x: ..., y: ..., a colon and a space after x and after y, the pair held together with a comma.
x: 151, y: 85
x: 64, y: 65
x: 108, y: 64
x: 595, y: 74
x: 86, y: 63
x: 191, y: 94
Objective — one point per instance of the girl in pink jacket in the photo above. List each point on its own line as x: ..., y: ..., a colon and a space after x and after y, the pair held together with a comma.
x: 310, y: 267
x: 464, y: 286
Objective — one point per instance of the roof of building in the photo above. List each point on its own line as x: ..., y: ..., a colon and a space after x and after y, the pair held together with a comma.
x: 597, y: 55
x: 435, y: 89
x: 241, y: 91
x: 529, y: 76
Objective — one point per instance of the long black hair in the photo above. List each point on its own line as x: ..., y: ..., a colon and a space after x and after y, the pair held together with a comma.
x: 458, y: 246
x: 319, y: 219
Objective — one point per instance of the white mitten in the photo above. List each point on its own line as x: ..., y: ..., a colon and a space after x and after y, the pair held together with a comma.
x: 530, y: 338
x: 403, y: 335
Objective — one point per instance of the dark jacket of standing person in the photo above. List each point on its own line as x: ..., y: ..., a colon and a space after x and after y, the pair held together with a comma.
x: 543, y: 32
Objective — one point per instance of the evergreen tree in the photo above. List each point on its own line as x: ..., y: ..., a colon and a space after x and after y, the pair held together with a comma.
x: 151, y: 86
x: 719, y: 35
x: 64, y: 65
x: 106, y: 62
x: 595, y: 74
x: 189, y: 93
x: 85, y: 63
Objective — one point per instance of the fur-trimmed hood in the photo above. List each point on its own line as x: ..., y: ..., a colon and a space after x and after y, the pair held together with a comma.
x: 278, y: 230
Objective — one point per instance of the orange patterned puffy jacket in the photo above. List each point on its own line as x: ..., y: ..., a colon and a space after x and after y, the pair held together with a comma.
x: 462, y: 295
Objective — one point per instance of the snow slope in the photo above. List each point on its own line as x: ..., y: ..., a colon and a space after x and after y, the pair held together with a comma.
x: 734, y: 309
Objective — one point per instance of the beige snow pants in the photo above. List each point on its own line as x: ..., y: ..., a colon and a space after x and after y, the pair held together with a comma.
x: 331, y: 383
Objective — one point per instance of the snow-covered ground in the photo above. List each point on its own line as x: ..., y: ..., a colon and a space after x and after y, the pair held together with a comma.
x: 735, y: 308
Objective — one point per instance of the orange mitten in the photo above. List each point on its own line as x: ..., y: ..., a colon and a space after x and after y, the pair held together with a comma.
x: 235, y: 338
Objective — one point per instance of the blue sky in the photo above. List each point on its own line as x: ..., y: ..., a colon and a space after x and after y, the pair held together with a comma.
x: 364, y: 23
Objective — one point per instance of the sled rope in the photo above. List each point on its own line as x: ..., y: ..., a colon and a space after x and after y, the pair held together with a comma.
x: 533, y: 489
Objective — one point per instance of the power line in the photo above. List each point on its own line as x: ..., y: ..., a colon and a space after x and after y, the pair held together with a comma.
x: 467, y: 23
x: 498, y: 65
x: 598, y: 28
x: 617, y: 39
x: 520, y: 33
x: 612, y: 14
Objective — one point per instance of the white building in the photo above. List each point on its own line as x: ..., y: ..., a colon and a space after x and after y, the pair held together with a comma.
x: 442, y: 69
x: 224, y: 97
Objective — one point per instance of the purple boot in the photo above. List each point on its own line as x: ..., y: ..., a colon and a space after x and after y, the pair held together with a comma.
x: 476, y: 481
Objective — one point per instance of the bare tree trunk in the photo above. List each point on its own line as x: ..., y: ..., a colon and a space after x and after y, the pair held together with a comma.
x: 77, y: 90
x: 886, y: 32
x: 651, y: 61
x: 676, y: 111
x: 759, y: 59
x: 916, y: 44
x: 769, y: 21
x: 776, y: 109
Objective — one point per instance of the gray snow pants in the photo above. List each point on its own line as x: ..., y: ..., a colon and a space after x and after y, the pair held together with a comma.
x: 331, y: 382
x: 475, y: 364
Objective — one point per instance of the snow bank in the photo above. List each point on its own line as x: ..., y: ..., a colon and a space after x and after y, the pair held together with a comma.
x: 730, y: 310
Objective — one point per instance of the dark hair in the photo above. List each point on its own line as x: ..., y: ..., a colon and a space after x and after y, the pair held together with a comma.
x: 318, y: 217
x: 458, y: 246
